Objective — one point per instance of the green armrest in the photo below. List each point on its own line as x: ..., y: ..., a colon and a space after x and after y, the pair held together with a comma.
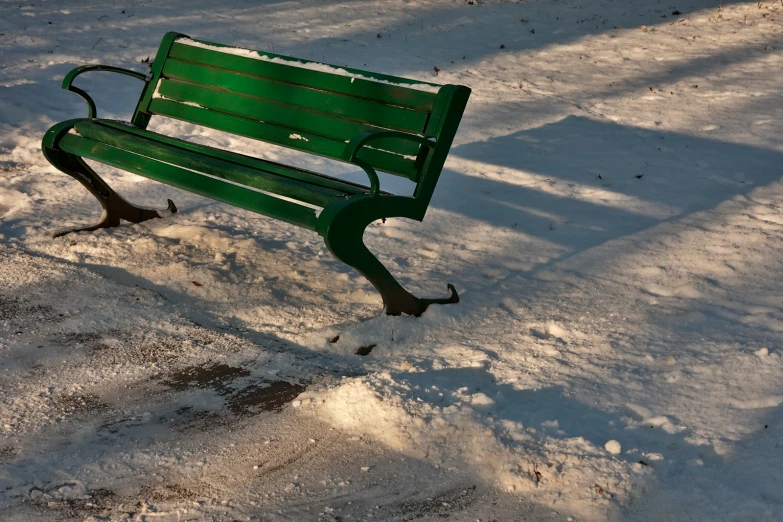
x: 357, y: 142
x: 68, y: 80
x: 353, y: 147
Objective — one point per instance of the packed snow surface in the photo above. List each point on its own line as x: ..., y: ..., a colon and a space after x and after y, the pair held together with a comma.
x: 610, y: 212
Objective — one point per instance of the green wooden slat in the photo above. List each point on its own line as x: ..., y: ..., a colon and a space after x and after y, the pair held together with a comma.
x: 338, y: 105
x: 294, y: 119
x: 368, y: 74
x: 315, y: 195
x: 191, y: 181
x: 239, y: 159
x: 312, y: 143
x: 355, y: 87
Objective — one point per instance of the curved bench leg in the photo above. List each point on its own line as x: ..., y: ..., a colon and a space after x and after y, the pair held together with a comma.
x: 114, y: 206
x: 345, y: 239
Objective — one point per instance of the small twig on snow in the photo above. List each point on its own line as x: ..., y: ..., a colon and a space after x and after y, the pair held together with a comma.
x: 96, y: 43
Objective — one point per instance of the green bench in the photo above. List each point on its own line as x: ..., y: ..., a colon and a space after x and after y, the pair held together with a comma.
x: 376, y: 122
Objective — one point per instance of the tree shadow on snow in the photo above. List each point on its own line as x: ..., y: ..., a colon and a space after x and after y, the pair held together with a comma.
x: 580, y: 182
x: 555, y: 412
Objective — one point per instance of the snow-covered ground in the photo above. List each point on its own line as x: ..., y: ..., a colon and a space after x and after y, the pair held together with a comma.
x: 611, y: 213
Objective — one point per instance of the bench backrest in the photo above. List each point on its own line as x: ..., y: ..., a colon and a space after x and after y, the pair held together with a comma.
x: 304, y: 105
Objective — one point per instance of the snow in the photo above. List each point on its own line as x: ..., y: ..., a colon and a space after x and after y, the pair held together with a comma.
x: 610, y: 213
x: 157, y: 94
x: 613, y: 447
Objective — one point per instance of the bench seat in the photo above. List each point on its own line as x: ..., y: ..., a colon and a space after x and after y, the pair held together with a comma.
x: 240, y: 180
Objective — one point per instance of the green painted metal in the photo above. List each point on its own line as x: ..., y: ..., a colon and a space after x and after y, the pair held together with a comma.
x: 191, y: 181
x: 342, y: 226
x: 71, y: 76
x: 204, y: 163
x: 342, y: 106
x: 115, y: 208
x: 260, y: 130
x: 376, y: 122
x: 393, y: 93
x: 354, y: 146
x: 141, y: 117
x: 307, y: 176
x: 453, y: 100
x: 295, y: 119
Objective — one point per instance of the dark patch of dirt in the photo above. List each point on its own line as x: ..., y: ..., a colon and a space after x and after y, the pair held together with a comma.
x: 243, y: 396
x: 139, y: 350
x: 272, y: 396
x: 166, y: 492
x: 442, y: 505
x: 37, y: 370
x: 12, y: 307
x: 9, y: 308
x: 76, y: 508
x: 202, y: 420
x: 148, y: 348
x: 76, y: 403
x: 8, y: 453
x: 78, y: 338
x: 365, y: 350
x: 209, y: 376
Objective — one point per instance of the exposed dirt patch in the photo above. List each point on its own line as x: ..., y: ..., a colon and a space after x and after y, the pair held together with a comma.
x: 443, y: 505
x: 215, y: 376
x: 78, y: 338
x: 9, y: 308
x: 270, y: 396
x: 167, y: 492
x: 12, y: 307
x: 94, y: 502
x: 76, y: 403
x: 119, y: 348
x: 242, y: 395
x: 8, y: 453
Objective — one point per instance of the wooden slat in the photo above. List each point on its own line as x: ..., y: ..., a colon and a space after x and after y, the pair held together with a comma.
x: 338, y: 105
x: 240, y: 159
x: 354, y: 87
x: 312, y: 143
x: 188, y: 180
x: 292, y: 118
x: 292, y: 188
x: 368, y: 74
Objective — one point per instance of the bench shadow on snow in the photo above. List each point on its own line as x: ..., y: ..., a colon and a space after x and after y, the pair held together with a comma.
x: 557, y: 413
x: 562, y: 24
x: 601, y: 169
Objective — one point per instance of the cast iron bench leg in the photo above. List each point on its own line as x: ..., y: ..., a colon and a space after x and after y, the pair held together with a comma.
x: 345, y: 239
x: 114, y: 206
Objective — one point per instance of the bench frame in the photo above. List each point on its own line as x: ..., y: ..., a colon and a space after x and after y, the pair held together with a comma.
x: 341, y: 223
